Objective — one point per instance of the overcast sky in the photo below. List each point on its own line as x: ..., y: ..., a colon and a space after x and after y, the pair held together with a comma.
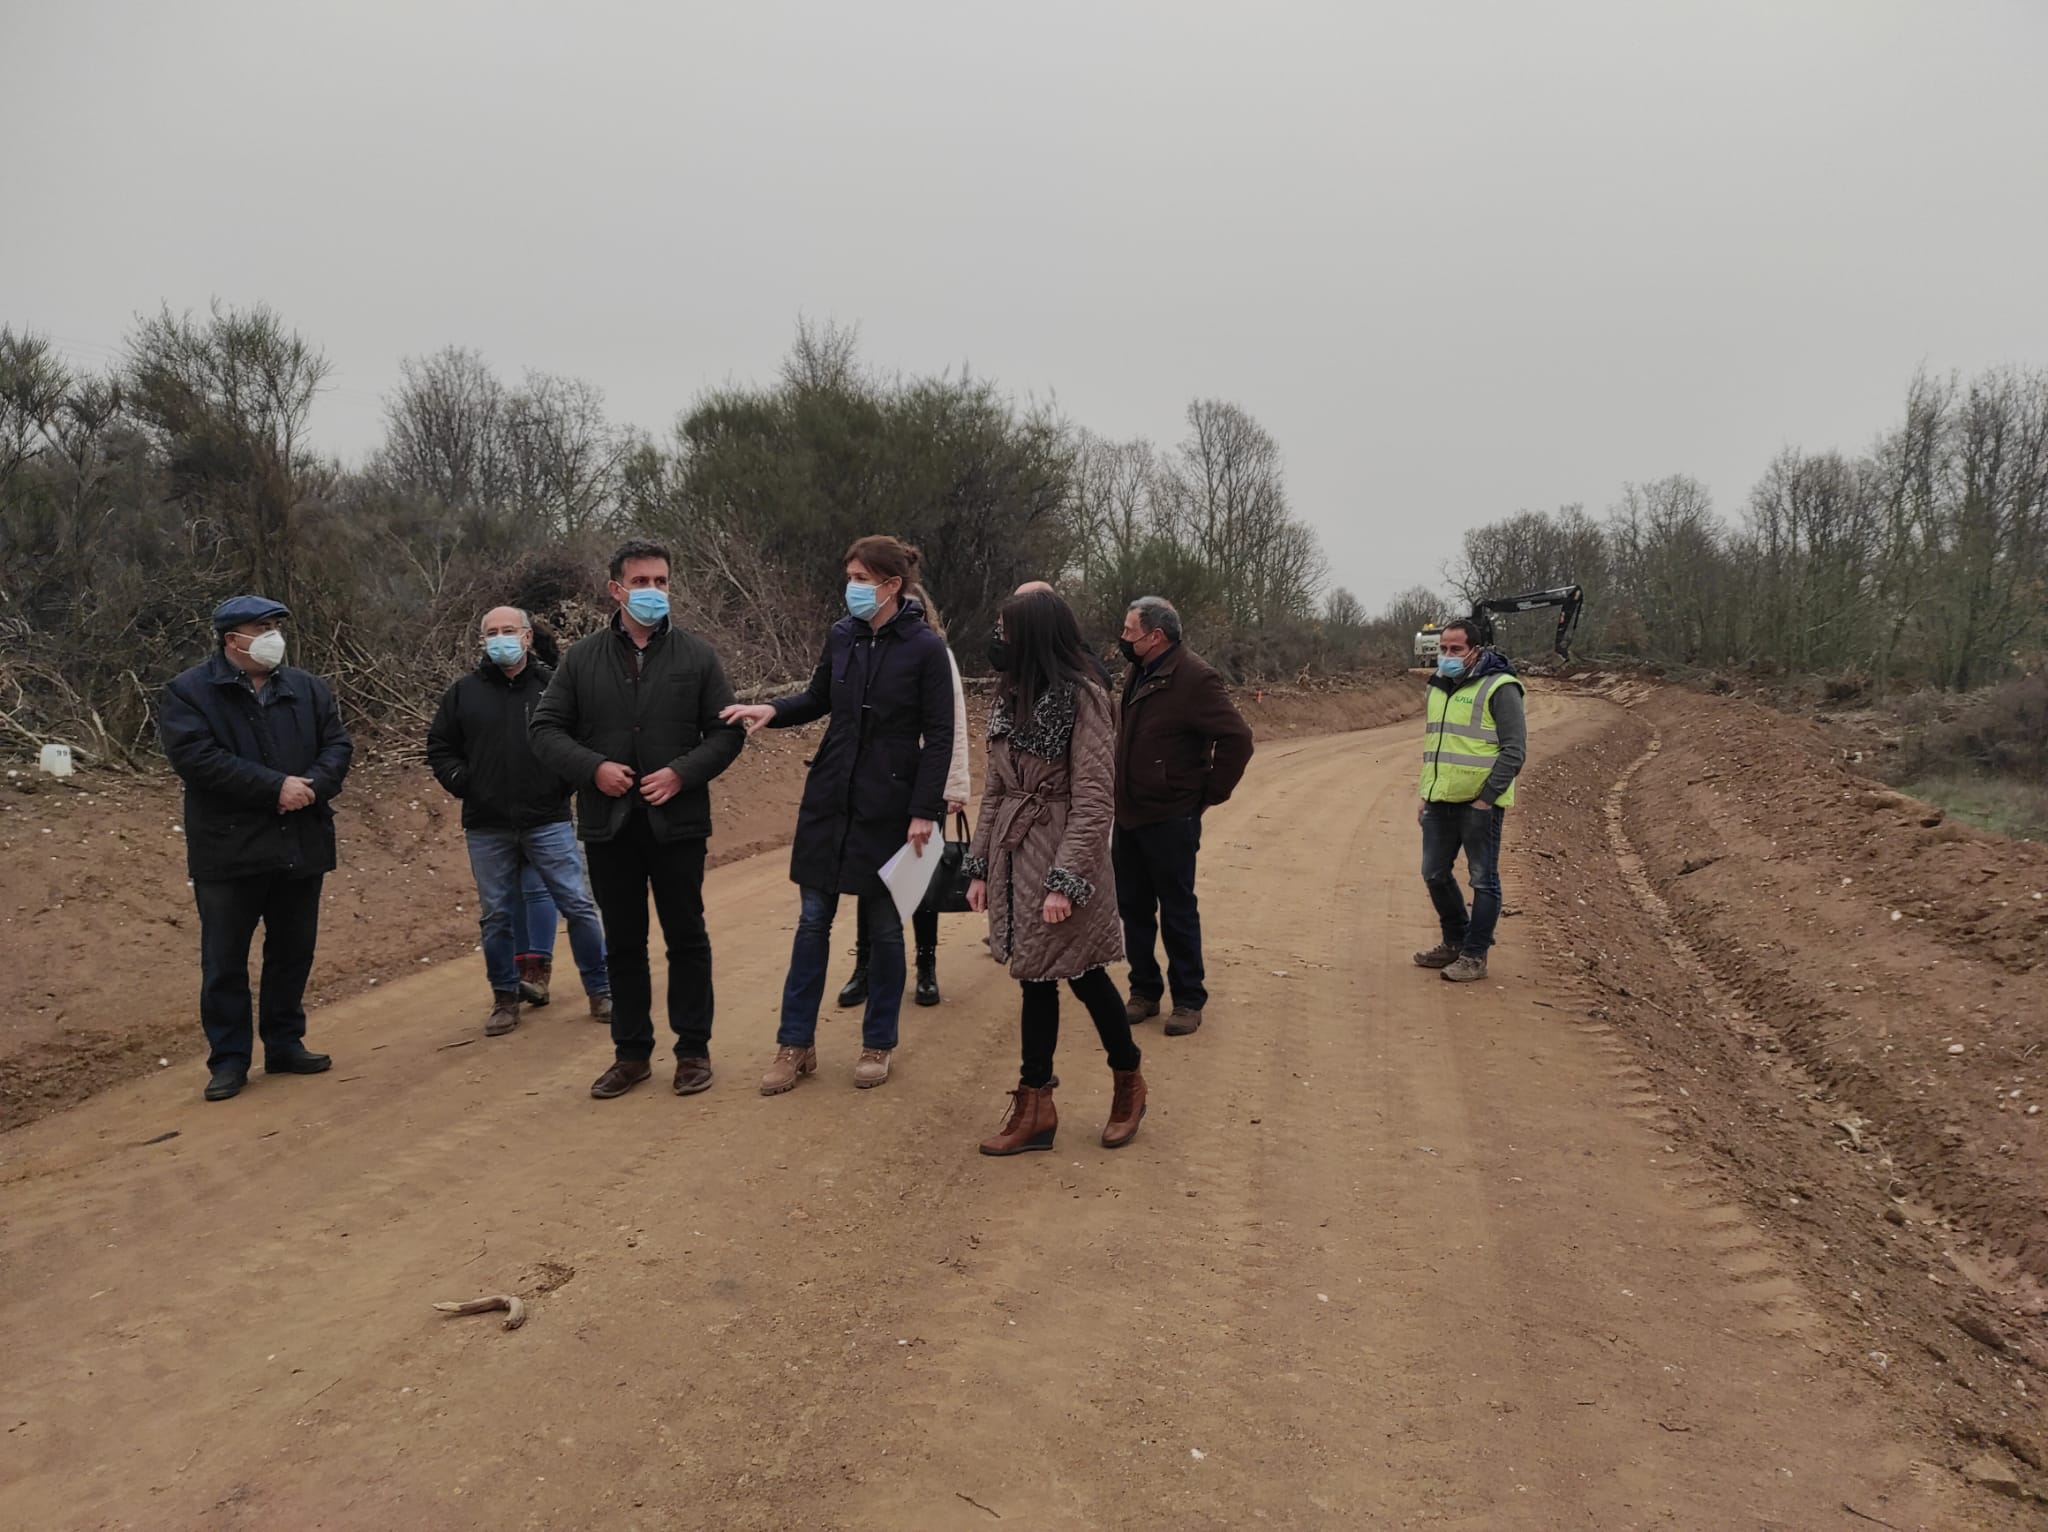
x: 1459, y: 258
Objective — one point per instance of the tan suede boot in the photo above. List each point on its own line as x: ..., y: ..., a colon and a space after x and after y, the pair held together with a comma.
x: 791, y: 1065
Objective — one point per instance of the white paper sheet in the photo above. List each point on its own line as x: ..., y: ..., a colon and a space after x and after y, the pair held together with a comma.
x: 908, y: 876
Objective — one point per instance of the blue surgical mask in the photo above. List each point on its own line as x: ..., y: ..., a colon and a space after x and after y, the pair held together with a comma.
x: 1449, y: 665
x: 504, y: 650
x: 862, y: 600
x: 647, y: 605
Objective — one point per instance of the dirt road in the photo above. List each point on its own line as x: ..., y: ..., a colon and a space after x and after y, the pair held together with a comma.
x: 1388, y: 1252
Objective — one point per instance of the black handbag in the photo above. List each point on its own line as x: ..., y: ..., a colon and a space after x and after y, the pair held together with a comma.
x: 948, y: 893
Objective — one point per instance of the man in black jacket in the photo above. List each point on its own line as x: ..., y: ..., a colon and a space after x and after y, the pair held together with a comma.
x: 632, y: 718
x: 263, y: 754
x: 515, y: 812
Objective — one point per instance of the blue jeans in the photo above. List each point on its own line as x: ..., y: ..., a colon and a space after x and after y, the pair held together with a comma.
x: 1447, y: 829
x: 538, y: 923
x: 811, y: 953
x: 500, y: 859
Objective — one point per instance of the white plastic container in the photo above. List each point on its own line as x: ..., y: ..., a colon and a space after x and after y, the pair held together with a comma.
x: 56, y: 760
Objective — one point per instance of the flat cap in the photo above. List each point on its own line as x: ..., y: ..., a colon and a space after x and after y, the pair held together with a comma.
x: 236, y: 610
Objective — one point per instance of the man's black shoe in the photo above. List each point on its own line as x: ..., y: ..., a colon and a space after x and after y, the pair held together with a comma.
x: 297, y: 1062
x: 227, y: 1080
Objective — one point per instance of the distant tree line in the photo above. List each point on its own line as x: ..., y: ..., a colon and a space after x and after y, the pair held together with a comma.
x: 1922, y: 562
x: 132, y: 500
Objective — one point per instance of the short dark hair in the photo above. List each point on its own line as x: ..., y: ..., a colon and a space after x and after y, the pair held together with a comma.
x: 1464, y: 625
x: 1157, y: 615
x: 639, y: 548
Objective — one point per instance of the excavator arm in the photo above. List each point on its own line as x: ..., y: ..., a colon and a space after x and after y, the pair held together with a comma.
x: 1570, y: 600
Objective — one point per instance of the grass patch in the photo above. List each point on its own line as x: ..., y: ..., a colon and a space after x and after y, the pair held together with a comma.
x: 2002, y: 805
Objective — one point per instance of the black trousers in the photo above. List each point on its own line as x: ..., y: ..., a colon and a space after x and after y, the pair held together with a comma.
x: 1094, y: 989
x: 1155, y: 895
x: 229, y: 911
x: 622, y: 871
x: 924, y: 926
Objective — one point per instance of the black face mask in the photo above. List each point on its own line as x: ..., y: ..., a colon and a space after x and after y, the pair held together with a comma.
x: 998, y: 655
x: 1129, y: 651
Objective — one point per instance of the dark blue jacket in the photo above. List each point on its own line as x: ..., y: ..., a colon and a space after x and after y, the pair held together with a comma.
x: 234, y: 753
x: 884, y: 760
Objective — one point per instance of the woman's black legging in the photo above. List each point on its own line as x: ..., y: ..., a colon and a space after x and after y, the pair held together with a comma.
x: 924, y: 925
x: 1093, y: 989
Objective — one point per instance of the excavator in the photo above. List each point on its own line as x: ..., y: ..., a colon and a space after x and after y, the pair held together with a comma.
x: 1570, y: 600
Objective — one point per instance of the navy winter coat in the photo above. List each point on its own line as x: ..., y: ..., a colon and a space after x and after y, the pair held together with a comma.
x: 884, y: 760
x: 235, y: 751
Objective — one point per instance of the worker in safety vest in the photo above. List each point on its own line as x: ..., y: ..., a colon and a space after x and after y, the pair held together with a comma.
x: 1477, y: 740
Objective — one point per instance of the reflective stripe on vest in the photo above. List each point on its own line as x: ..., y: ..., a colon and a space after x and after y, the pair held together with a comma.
x: 1457, y: 758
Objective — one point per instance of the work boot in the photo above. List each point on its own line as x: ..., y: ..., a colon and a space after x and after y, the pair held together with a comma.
x: 534, y: 976
x: 873, y: 1068
x: 226, y: 1080
x: 620, y: 1078
x: 1442, y: 955
x: 296, y: 1060
x: 1126, y: 1109
x: 927, y: 976
x: 1030, y: 1125
x: 692, y: 1076
x: 601, y: 1007
x: 1185, y: 1019
x: 1468, y: 967
x: 791, y: 1065
x: 1141, y: 1008
x: 504, y: 1012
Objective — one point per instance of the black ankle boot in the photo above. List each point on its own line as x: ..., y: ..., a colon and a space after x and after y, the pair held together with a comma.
x: 856, y: 990
x: 927, y: 976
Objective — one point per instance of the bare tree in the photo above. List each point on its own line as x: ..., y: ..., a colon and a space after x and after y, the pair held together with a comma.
x: 445, y: 430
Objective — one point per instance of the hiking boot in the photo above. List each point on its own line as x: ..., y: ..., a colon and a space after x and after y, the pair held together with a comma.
x: 1467, y: 968
x: 535, y: 973
x: 1442, y: 955
x: 1185, y: 1019
x: 1126, y: 1109
x: 600, y: 1007
x: 620, y: 1078
x: 296, y: 1060
x: 873, y: 1068
x: 1031, y: 1123
x: 1140, y: 1008
x: 855, y: 991
x: 504, y: 1012
x: 927, y: 976
x: 226, y: 1080
x: 791, y: 1065
x: 692, y: 1076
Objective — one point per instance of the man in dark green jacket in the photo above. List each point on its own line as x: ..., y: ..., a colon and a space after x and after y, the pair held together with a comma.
x: 631, y: 718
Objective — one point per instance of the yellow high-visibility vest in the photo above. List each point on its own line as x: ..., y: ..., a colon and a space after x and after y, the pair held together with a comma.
x: 1462, y: 746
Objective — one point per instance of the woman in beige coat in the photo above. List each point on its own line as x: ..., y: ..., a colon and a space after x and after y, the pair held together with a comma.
x: 1040, y: 860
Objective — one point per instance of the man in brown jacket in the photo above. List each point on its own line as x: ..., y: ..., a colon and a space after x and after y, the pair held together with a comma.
x: 1182, y: 748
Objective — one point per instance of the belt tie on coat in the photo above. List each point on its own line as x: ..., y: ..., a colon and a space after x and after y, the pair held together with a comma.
x: 1018, y: 813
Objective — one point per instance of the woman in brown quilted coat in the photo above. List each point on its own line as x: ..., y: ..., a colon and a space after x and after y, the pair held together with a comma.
x: 1040, y: 860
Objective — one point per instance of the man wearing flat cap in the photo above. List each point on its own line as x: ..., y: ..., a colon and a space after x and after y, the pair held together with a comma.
x: 262, y: 752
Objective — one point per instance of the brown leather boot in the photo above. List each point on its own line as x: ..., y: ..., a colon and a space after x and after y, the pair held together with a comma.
x: 1126, y: 1109
x: 535, y: 973
x: 1030, y: 1125
x: 504, y: 1012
